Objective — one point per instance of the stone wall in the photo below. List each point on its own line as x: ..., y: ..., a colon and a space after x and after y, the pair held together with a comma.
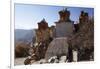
x: 64, y: 29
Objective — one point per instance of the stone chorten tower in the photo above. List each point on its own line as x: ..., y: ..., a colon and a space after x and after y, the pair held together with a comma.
x: 64, y: 26
x: 64, y: 15
x: 43, y: 32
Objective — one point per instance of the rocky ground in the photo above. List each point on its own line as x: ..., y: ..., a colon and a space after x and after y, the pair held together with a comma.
x: 60, y: 50
x: 19, y: 61
x: 54, y: 59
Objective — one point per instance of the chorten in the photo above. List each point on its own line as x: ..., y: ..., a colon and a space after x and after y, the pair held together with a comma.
x: 64, y: 15
x: 64, y: 26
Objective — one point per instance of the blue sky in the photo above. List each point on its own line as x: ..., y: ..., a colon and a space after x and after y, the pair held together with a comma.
x: 27, y: 16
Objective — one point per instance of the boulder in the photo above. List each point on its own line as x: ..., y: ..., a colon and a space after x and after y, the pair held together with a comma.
x: 62, y: 59
x: 53, y: 60
x: 42, y: 61
x: 58, y: 47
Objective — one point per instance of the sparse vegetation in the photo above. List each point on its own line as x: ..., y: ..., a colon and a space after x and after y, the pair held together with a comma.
x: 21, y: 49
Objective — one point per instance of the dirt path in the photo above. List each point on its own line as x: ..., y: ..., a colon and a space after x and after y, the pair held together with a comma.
x: 19, y: 61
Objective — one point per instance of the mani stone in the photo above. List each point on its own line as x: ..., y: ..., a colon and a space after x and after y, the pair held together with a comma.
x: 64, y: 29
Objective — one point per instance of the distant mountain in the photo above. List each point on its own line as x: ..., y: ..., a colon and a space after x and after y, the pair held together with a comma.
x: 24, y: 35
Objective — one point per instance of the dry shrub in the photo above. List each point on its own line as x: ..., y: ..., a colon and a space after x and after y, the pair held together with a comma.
x: 21, y: 49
